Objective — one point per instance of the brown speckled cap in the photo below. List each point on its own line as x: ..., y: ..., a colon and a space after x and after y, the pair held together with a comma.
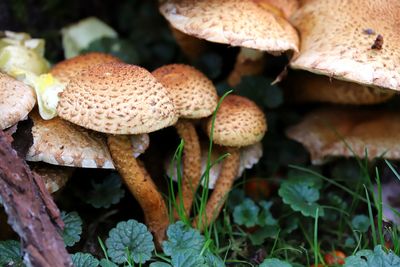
x: 60, y: 142
x: 239, y: 122
x: 307, y: 87
x: 68, y: 68
x: 16, y: 101
x: 193, y: 94
x: 54, y: 177
x: 339, y: 38
x: 332, y: 132
x: 117, y: 98
x: 234, y: 22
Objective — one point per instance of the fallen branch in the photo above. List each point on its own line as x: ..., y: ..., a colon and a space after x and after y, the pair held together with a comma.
x: 31, y: 210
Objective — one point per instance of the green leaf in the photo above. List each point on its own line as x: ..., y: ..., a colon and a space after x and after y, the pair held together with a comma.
x: 301, y: 196
x: 10, y: 253
x: 182, y: 238
x: 160, y: 264
x: 188, y: 258
x: 84, y: 260
x: 265, y: 217
x: 246, y: 213
x: 130, y: 236
x: 236, y: 196
x: 213, y: 260
x: 107, y: 263
x: 376, y: 258
x: 106, y: 193
x: 268, y: 231
x: 274, y: 263
x: 73, y: 228
x: 361, y: 223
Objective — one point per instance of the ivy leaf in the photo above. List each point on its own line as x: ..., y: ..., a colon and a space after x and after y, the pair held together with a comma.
x: 368, y: 258
x: 265, y: 217
x: 181, y: 238
x: 106, y: 193
x: 73, y: 228
x: 301, y: 196
x: 360, y: 223
x: 274, y: 263
x: 84, y: 260
x: 213, y: 260
x: 268, y: 231
x: 160, y: 264
x: 246, y: 213
x: 188, y: 258
x: 236, y: 196
x: 10, y: 253
x: 107, y: 263
x: 130, y: 237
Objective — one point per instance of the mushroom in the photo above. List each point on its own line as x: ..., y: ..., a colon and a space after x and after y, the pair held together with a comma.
x: 304, y: 87
x: 338, y: 38
x: 194, y: 97
x: 121, y: 100
x: 334, y: 132
x: 54, y: 177
x: 251, y: 24
x: 239, y: 122
x: 16, y: 100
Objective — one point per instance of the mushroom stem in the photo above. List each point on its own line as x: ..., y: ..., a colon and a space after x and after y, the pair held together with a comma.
x: 141, y: 186
x: 248, y: 62
x: 191, y: 165
x: 229, y: 170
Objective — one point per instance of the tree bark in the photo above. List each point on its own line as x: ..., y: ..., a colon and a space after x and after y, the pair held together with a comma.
x: 31, y: 211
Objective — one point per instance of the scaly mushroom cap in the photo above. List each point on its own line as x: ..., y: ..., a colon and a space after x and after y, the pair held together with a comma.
x: 117, y: 98
x: 286, y: 7
x: 239, y: 122
x: 60, y: 142
x: 234, y: 22
x: 54, y: 177
x: 193, y: 94
x: 337, y: 37
x: 65, y: 70
x: 16, y: 100
x: 348, y: 132
x: 308, y: 87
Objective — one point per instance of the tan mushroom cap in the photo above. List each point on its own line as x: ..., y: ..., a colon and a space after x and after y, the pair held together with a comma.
x: 287, y: 7
x: 60, y: 142
x: 337, y: 38
x: 239, y: 122
x: 16, y: 101
x: 117, y: 98
x: 234, y: 22
x: 193, y: 94
x: 54, y: 177
x: 68, y: 68
x: 348, y: 133
x: 307, y: 87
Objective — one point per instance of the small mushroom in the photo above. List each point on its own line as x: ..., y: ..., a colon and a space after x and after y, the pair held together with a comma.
x: 16, y: 100
x: 122, y: 100
x: 334, y: 41
x: 239, y: 122
x: 54, y: 177
x: 303, y: 87
x: 340, y: 132
x: 194, y: 97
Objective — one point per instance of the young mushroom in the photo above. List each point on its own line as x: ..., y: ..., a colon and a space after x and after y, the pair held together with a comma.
x: 16, y: 101
x: 194, y: 97
x: 239, y: 122
x: 122, y: 100
x: 338, y: 37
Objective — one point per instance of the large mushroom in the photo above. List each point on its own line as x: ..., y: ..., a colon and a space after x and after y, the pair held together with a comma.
x: 122, y: 100
x: 239, y: 122
x: 194, y: 97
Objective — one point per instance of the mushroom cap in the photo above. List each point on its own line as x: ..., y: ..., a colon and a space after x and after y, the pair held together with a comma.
x: 239, y: 122
x: 308, y: 87
x: 348, y: 132
x: 287, y: 7
x: 193, y: 94
x: 117, y: 98
x: 54, y: 177
x: 68, y: 68
x: 60, y: 142
x: 16, y: 100
x: 233, y: 22
x: 337, y: 38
